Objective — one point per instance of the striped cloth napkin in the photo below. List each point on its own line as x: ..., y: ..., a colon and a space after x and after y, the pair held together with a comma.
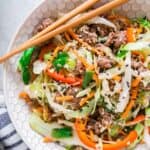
x: 9, y: 139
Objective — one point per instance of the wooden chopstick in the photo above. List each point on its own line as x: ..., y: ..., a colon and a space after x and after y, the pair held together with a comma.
x: 87, y: 4
x: 85, y: 17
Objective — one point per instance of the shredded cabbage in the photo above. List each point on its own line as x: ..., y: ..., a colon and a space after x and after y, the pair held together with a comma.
x: 38, y: 67
x: 96, y: 98
x: 109, y: 74
x: 106, y: 93
x: 139, y: 45
x: 101, y: 20
x: 126, y: 83
x: 86, y: 91
x: 35, y: 90
x: 145, y: 37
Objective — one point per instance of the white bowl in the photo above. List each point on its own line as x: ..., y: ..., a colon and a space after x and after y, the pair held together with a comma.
x: 17, y: 109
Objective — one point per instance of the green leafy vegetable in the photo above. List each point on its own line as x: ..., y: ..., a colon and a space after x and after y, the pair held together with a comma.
x: 25, y: 75
x: 144, y: 22
x: 122, y: 52
x: 60, y: 60
x: 87, y: 78
x: 24, y: 63
x: 64, y: 132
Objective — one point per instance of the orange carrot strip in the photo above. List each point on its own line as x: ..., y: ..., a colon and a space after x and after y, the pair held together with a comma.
x: 85, y: 99
x: 134, y: 93
x: 117, y: 78
x: 64, y: 98
x: 61, y: 78
x: 23, y: 95
x: 47, y: 139
x: 138, y: 119
x: 136, y: 82
x: 131, y: 34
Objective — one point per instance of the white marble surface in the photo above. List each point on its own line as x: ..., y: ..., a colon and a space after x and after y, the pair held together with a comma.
x: 12, y: 13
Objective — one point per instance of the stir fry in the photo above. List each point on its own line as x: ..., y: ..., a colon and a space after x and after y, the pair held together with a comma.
x: 89, y: 88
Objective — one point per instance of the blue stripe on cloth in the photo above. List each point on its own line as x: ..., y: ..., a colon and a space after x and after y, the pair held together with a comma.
x: 8, y: 135
x: 9, y: 139
x: 4, y: 120
x: 13, y: 145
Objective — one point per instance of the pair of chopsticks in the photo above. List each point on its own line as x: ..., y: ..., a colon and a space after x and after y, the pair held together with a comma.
x: 57, y: 27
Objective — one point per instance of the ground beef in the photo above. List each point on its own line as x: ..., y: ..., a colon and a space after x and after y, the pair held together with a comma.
x: 99, y: 120
x: 87, y: 34
x: 116, y: 39
x: 102, y: 30
x: 42, y: 25
x: 104, y: 62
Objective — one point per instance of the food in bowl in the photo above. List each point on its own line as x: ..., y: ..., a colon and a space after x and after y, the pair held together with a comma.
x: 89, y: 87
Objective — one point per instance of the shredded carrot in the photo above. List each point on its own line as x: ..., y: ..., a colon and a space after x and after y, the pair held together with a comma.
x: 97, y: 80
x: 91, y: 135
x: 85, y: 99
x: 67, y: 36
x: 136, y: 82
x: 134, y: 93
x: 23, y: 95
x: 131, y: 34
x: 140, y: 54
x: 70, y: 31
x: 138, y: 119
x: 83, y: 60
x: 117, y: 78
x: 64, y: 98
x: 47, y: 139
